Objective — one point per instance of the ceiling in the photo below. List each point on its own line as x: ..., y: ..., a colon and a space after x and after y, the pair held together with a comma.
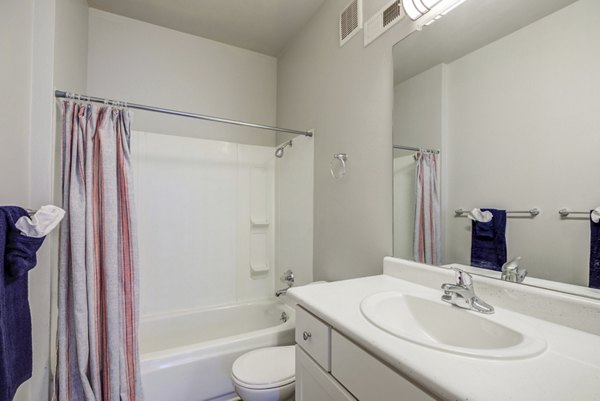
x: 470, y: 26
x: 264, y: 26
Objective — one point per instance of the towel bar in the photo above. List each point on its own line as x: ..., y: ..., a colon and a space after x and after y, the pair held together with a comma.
x: 565, y: 212
x: 533, y: 212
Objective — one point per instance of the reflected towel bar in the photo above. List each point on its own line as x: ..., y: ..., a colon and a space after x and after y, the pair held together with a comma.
x: 566, y: 212
x: 533, y: 212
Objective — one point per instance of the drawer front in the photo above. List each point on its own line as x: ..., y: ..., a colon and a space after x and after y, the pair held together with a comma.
x: 314, y: 336
x: 367, y: 378
x: 314, y: 384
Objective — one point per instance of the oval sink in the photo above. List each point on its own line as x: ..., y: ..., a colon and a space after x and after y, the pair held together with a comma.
x: 439, y: 325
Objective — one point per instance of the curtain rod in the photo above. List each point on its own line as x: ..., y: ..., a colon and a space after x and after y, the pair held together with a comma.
x: 69, y: 95
x: 436, y: 151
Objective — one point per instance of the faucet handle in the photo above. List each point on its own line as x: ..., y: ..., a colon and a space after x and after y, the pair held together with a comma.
x: 462, y: 277
x: 288, y: 277
x: 512, y: 264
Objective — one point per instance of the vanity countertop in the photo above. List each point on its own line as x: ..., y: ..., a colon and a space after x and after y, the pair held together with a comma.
x: 568, y: 370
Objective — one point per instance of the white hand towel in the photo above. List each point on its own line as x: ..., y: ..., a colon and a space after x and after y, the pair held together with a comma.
x: 478, y: 215
x: 42, y: 222
x: 596, y: 215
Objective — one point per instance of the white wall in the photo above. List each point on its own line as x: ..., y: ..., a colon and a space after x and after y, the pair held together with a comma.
x: 418, y: 121
x: 196, y: 200
x: 295, y: 202
x: 418, y: 115
x: 524, y: 132
x: 346, y: 94
x: 27, y: 41
x: 16, y: 41
x: 144, y: 63
x: 404, y: 204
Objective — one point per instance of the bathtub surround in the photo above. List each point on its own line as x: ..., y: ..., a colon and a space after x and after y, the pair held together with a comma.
x: 98, y: 315
x: 17, y: 257
x: 222, y: 196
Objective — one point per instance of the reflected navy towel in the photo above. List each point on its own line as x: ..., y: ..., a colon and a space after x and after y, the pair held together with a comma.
x: 488, y: 241
x: 17, y: 257
x: 594, y: 255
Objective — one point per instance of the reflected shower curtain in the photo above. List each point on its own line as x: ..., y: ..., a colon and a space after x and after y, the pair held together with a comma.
x: 427, y: 240
x: 98, y: 358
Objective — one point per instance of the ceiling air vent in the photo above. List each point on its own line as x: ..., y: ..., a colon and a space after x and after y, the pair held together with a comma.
x: 383, y: 20
x: 350, y: 21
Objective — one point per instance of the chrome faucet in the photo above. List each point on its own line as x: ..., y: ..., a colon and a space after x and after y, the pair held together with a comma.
x: 511, y: 271
x: 462, y: 294
x: 288, y: 278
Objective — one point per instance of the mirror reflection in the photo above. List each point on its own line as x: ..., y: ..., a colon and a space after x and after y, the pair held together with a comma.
x: 496, y: 130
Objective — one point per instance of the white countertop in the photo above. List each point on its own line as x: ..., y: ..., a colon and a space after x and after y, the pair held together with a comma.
x: 568, y: 370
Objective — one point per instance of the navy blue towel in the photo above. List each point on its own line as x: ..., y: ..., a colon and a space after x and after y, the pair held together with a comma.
x: 17, y: 257
x: 594, y: 255
x: 488, y: 241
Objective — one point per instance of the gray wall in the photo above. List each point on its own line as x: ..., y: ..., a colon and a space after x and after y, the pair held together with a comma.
x: 346, y: 94
x: 144, y: 63
x: 16, y: 30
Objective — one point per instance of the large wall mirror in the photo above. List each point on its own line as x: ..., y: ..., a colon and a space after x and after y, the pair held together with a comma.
x: 497, y: 113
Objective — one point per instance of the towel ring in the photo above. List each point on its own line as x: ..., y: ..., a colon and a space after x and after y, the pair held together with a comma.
x: 337, y: 166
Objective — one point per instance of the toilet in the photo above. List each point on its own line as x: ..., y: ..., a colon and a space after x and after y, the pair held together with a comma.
x: 265, y: 374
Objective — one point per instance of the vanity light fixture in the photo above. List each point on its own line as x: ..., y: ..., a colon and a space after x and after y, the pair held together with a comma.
x: 415, y: 9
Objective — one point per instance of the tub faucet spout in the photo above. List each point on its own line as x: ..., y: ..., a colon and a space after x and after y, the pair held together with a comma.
x: 288, y: 278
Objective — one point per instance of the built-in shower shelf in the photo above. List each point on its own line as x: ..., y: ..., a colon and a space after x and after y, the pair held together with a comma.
x: 259, y: 268
x: 259, y: 223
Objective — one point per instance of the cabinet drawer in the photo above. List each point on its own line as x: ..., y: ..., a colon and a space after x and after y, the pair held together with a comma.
x: 314, y: 336
x: 367, y: 378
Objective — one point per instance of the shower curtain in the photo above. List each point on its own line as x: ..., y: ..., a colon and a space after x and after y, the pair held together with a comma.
x: 427, y: 240
x: 98, y: 358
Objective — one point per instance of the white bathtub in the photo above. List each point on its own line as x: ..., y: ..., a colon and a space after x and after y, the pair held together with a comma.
x: 188, y: 356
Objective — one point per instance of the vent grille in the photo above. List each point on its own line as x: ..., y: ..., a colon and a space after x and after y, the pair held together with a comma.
x: 391, y: 13
x: 350, y: 21
x: 384, y: 19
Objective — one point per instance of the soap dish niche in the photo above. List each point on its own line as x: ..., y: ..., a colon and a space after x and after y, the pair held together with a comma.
x: 259, y: 222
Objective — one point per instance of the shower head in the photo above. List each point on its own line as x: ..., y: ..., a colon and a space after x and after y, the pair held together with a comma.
x: 280, y: 150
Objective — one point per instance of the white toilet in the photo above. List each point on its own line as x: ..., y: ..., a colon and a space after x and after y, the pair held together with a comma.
x: 265, y: 374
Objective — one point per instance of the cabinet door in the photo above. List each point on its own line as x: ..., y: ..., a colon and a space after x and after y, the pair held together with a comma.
x: 314, y: 384
x: 368, y: 378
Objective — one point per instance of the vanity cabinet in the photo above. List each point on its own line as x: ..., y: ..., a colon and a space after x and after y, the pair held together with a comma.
x: 330, y: 367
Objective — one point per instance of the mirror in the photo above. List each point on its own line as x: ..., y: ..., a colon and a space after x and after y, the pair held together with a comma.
x: 508, y: 91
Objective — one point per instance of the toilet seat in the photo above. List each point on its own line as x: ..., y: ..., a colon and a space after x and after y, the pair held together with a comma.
x: 265, y: 368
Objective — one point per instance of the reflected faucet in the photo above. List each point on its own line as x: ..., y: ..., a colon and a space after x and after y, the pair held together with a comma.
x: 288, y: 278
x: 462, y: 294
x: 511, y: 271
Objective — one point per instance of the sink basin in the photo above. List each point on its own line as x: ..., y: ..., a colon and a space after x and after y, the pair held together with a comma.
x: 436, y: 324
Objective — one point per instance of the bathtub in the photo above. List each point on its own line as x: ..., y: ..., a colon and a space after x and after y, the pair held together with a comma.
x: 188, y: 356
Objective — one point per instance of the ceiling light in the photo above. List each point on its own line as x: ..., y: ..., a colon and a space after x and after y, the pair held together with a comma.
x: 415, y: 9
x: 411, y: 10
x: 430, y: 3
x: 420, y: 6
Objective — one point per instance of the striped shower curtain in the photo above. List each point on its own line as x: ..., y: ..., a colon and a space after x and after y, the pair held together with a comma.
x: 98, y: 358
x: 427, y: 241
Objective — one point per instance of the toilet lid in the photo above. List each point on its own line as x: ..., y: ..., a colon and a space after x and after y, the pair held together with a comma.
x: 265, y: 368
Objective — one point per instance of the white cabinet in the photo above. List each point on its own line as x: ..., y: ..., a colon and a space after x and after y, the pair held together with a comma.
x: 355, y: 374
x: 314, y: 384
x: 314, y: 336
x: 368, y: 378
